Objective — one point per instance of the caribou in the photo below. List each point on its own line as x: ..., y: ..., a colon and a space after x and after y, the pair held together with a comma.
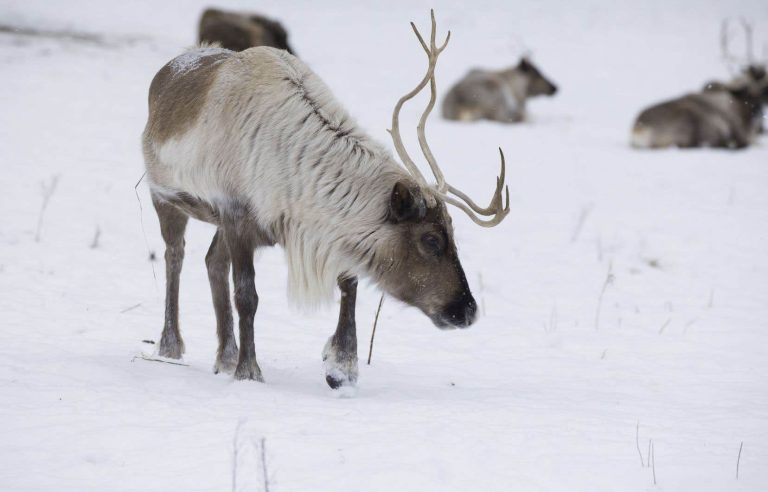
x: 496, y: 95
x: 255, y: 144
x: 239, y: 31
x: 723, y: 114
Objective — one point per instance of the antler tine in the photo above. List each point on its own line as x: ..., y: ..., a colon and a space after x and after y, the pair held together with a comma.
x: 725, y: 41
x: 395, y: 132
x: 498, y: 208
x: 748, y: 38
x: 496, y: 203
x: 496, y: 220
x: 432, y: 53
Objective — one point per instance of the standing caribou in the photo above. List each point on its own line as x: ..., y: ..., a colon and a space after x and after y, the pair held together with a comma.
x: 255, y: 143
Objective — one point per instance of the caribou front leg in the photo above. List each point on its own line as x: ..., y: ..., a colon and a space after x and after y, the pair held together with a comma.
x: 340, y: 352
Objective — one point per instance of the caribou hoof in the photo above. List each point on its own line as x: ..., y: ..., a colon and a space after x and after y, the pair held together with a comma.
x: 249, y: 371
x: 225, y: 366
x: 340, y: 367
x: 226, y: 360
x: 171, y: 347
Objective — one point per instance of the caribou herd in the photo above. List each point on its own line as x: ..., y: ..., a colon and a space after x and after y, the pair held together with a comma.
x: 242, y: 134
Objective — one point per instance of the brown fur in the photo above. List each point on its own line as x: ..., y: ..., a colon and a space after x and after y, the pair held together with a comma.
x: 496, y: 95
x: 175, y: 101
x: 719, y: 116
x: 427, y: 272
x: 240, y: 31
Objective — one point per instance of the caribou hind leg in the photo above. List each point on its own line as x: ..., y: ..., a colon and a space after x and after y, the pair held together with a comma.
x: 173, y: 223
x: 217, y: 262
x: 242, y: 239
x: 340, y: 352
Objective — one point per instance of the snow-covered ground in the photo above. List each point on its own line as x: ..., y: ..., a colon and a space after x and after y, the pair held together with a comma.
x: 554, y: 389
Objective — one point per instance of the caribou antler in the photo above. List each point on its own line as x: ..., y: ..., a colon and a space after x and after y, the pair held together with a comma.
x: 497, y: 208
x: 725, y: 37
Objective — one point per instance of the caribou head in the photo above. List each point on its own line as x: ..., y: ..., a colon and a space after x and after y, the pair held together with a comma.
x: 424, y: 268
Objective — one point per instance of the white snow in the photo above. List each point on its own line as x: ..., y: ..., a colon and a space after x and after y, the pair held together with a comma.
x: 189, y: 60
x: 542, y: 394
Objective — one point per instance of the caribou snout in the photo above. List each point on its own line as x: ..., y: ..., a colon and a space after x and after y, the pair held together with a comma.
x: 552, y: 90
x: 460, y: 313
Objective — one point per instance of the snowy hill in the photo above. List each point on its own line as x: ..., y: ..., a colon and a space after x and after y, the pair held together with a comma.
x: 624, y: 300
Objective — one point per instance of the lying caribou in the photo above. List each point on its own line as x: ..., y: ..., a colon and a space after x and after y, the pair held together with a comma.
x: 256, y: 144
x: 239, y: 31
x: 722, y: 114
x: 496, y: 95
x: 719, y: 116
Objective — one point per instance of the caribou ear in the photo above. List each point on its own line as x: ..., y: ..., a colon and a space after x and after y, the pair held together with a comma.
x: 406, y: 203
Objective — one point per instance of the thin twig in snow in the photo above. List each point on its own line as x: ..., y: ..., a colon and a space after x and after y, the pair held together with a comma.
x: 96, y: 236
x: 738, y: 460
x: 637, y: 443
x: 141, y: 219
x: 152, y: 359
x: 553, y: 319
x: 580, y: 224
x: 661, y: 330
x: 653, y: 461
x: 248, y: 461
x: 264, y: 464
x: 130, y: 308
x: 608, y: 280
x: 648, y: 457
x: 373, y: 332
x: 47, y: 190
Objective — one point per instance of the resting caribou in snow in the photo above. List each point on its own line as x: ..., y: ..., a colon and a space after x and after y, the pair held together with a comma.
x: 496, y: 95
x: 238, y: 31
x: 254, y: 143
x: 727, y: 116
x: 722, y: 114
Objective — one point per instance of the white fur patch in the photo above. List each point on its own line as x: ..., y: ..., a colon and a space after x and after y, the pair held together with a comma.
x: 340, y: 366
x: 191, y: 59
x: 642, y: 138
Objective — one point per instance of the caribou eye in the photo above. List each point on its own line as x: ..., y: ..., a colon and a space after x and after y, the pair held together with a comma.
x: 433, y: 243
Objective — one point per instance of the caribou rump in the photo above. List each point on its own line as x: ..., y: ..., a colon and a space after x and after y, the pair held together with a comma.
x: 254, y: 143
